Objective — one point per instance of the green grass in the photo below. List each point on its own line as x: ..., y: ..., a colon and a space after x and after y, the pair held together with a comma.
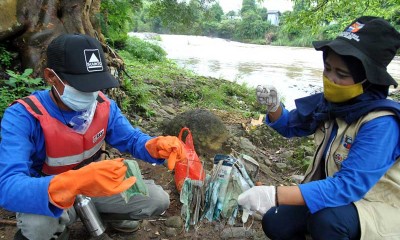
x: 152, y: 78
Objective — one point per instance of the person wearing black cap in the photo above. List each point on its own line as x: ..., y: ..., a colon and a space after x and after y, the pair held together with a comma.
x: 52, y: 143
x: 352, y: 187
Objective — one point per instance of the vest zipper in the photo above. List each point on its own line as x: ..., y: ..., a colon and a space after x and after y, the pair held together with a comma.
x: 327, y: 155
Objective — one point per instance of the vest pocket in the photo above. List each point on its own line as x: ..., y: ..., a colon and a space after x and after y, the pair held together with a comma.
x: 384, y: 218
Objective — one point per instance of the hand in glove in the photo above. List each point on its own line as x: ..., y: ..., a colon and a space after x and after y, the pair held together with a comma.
x: 268, y: 95
x: 168, y: 147
x: 258, y: 198
x: 98, y: 179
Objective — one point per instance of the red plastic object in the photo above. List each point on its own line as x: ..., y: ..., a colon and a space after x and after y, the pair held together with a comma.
x: 191, y: 167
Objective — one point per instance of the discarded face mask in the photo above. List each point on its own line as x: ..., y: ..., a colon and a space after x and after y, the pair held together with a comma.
x: 228, y: 181
x: 191, y: 199
x: 139, y: 188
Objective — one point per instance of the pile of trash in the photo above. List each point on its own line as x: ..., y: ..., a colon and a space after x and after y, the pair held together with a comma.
x: 214, y: 197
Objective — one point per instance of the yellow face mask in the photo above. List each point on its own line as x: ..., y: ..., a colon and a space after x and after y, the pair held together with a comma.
x: 339, y: 93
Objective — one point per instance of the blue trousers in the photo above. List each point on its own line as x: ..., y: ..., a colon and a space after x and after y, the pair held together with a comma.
x: 295, y: 222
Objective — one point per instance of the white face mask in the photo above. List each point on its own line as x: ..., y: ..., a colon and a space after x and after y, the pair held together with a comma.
x: 77, y: 100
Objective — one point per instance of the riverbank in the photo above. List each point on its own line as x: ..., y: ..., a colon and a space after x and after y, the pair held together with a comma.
x: 159, y: 91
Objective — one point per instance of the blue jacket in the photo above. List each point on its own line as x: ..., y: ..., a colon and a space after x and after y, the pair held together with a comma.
x: 22, y: 152
x: 378, y: 143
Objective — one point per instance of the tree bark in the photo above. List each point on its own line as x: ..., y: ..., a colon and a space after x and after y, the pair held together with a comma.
x: 38, y: 22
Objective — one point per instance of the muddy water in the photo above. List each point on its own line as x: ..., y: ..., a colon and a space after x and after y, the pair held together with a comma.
x: 295, y: 72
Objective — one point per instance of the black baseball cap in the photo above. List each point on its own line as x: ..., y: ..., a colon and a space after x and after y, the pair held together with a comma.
x: 79, y: 59
x: 373, y: 41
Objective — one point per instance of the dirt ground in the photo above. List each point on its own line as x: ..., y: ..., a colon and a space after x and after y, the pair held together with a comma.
x: 150, y: 229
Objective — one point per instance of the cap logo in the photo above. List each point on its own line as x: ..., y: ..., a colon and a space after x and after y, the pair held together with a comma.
x: 93, y: 60
x: 355, y: 27
x: 349, y: 33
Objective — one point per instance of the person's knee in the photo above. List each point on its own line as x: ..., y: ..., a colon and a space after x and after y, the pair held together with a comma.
x: 156, y: 204
x: 335, y: 223
x: 269, y: 224
x: 160, y: 202
x: 287, y: 223
x: 321, y: 224
x: 37, y: 226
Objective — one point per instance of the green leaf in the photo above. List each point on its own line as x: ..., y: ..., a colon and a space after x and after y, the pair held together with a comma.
x: 28, y: 72
x: 11, y: 82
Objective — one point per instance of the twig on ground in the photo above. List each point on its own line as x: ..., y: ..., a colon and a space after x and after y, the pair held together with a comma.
x: 8, y: 222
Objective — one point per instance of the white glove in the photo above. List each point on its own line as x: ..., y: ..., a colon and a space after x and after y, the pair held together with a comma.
x: 268, y: 95
x: 258, y: 198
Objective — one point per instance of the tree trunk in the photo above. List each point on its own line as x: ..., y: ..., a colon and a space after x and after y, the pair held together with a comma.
x: 35, y: 23
x: 30, y: 25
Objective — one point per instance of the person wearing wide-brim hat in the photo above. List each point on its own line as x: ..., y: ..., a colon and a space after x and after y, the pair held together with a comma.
x: 351, y: 189
x: 52, y: 144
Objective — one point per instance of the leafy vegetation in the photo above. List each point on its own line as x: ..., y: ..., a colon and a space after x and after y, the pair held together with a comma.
x: 310, y: 19
x: 319, y: 16
x: 143, y: 50
x: 299, y: 158
x: 197, y: 17
x: 320, y: 20
x: 115, y: 20
x: 5, y: 57
x: 17, y: 86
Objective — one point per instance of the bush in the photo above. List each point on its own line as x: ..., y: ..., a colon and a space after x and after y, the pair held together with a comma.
x: 143, y: 50
x: 18, y: 86
x: 116, y: 20
x: 5, y: 57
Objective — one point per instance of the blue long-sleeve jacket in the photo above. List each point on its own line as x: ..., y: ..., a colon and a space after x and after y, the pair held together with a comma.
x: 373, y: 152
x: 22, y: 153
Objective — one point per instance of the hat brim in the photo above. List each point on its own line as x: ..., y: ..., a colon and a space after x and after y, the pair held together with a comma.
x: 91, y: 82
x: 375, y: 73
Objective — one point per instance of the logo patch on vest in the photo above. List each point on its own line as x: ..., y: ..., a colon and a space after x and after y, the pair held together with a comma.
x: 347, y: 142
x: 338, y: 158
x: 98, y: 135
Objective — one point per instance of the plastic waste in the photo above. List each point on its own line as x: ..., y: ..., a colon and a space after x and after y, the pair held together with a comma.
x: 224, y: 175
x: 191, y: 198
x: 82, y: 121
x: 189, y: 180
x: 139, y: 187
x: 186, y: 198
x: 228, y: 180
x: 191, y: 167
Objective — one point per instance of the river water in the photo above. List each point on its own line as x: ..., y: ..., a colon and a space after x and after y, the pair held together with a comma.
x: 294, y: 71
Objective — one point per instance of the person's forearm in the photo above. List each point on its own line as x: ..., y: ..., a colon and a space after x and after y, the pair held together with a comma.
x: 289, y: 195
x: 273, y: 116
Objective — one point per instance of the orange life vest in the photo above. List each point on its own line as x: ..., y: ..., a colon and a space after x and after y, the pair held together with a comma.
x: 66, y: 149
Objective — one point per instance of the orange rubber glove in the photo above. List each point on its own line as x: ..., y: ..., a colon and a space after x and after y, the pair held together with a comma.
x: 168, y: 147
x: 98, y: 179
